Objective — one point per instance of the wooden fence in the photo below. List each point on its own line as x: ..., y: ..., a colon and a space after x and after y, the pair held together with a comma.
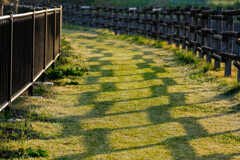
x: 30, y: 43
x: 212, y: 34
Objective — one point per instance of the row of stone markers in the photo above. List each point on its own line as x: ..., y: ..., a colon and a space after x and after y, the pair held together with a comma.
x: 212, y: 34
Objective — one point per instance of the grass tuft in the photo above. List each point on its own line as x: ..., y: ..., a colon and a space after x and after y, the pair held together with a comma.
x: 53, y: 74
x: 158, y: 44
x: 185, y: 57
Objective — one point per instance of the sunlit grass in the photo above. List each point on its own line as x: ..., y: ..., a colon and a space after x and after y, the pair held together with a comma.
x: 137, y: 101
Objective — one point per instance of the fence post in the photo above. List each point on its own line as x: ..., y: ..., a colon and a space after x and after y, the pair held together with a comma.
x: 218, y: 42
x: 157, y: 24
x: 115, y: 21
x: 92, y: 16
x: 30, y: 89
x: 194, y: 29
x: 2, y: 7
x: 98, y: 17
x: 128, y: 21
x: 209, y: 43
x: 45, y: 45
x: 111, y: 18
x: 207, y: 38
x: 134, y: 22
x: 60, y: 35
x: 201, y: 54
x: 170, y: 26
x: 106, y: 17
x: 184, y: 37
x: 16, y: 6
x: 80, y: 15
x: 139, y: 21
x: 144, y: 23
x: 187, y: 28
x: 151, y: 24
x: 8, y: 108
x: 236, y: 61
x: 54, y: 36
x: 163, y: 25
x: 229, y: 45
x: 177, y: 27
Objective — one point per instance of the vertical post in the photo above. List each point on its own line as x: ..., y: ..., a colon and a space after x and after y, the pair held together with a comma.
x: 134, y: 22
x: 30, y: 89
x: 16, y: 6
x: 122, y: 22
x: 229, y: 45
x: 152, y: 27
x: 55, y: 33
x: 170, y: 27
x: 164, y: 18
x: 138, y: 22
x: 8, y: 108
x: 54, y: 37
x: 190, y: 35
x: 98, y: 17
x: 116, y: 19
x: 195, y: 36
x: 157, y: 20
x: 184, y: 30
x: 2, y: 7
x: 106, y: 17
x: 91, y: 16
x: 145, y: 23
x: 177, y: 26
x: 45, y: 45
x: 128, y: 21
x: 60, y: 34
x: 201, y: 55
x: 218, y: 43
x: 209, y: 40
x: 111, y: 19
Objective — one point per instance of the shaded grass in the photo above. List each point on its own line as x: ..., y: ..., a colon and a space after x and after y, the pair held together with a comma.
x: 136, y: 102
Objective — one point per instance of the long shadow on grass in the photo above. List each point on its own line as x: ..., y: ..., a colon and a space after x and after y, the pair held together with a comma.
x: 96, y: 141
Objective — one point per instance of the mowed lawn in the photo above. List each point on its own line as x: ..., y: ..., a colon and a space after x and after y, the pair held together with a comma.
x: 136, y: 102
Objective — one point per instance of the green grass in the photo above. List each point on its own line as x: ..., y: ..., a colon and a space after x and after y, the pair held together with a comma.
x: 136, y: 101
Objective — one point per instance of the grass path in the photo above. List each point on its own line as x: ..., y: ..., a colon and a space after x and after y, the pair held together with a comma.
x: 135, y: 103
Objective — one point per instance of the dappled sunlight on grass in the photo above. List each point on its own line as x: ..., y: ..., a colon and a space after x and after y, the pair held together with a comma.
x: 136, y: 102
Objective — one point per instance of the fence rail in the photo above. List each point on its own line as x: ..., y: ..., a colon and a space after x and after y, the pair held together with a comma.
x: 213, y: 34
x: 30, y: 43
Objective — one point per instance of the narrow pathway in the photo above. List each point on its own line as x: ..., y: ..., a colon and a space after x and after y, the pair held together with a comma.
x: 136, y: 103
